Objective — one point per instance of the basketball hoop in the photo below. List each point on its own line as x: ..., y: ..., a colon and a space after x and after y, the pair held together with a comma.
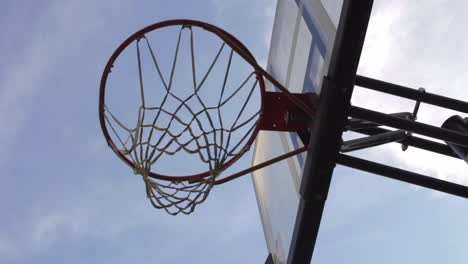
x: 191, y: 121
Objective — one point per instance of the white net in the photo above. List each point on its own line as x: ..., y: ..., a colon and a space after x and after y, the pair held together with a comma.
x: 201, y: 124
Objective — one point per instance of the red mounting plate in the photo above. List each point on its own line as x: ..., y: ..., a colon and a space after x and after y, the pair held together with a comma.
x: 278, y: 108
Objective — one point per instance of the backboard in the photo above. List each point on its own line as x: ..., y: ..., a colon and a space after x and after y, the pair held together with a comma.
x: 300, y: 51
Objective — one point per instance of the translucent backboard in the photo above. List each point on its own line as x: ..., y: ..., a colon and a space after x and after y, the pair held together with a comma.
x: 301, y: 46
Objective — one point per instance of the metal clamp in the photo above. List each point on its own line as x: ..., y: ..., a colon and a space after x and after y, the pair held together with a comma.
x: 413, y: 117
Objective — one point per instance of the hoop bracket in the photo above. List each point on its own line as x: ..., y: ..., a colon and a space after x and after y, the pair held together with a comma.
x: 281, y: 114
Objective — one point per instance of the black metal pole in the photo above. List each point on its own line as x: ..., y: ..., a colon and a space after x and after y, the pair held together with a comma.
x: 414, y: 141
x: 372, y: 141
x: 403, y: 175
x: 413, y: 94
x: 409, y: 125
x: 328, y: 127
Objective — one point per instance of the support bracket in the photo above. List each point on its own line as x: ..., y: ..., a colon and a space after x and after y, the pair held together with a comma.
x: 281, y: 114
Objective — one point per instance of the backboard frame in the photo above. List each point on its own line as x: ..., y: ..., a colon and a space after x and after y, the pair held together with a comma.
x: 312, y: 188
x: 333, y: 112
x: 328, y: 127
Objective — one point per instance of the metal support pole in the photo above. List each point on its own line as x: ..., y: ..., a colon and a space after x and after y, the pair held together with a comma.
x: 411, y: 126
x: 413, y: 94
x: 414, y: 141
x: 328, y: 127
x: 356, y: 123
x: 403, y: 175
x: 374, y: 140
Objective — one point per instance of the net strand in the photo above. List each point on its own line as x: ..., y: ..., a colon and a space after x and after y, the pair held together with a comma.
x: 220, y: 118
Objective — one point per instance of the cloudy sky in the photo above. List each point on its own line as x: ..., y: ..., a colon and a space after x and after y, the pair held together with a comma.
x: 65, y: 197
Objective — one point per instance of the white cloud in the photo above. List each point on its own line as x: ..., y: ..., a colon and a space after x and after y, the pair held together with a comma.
x: 377, y: 51
x: 93, y: 212
x: 258, y: 19
x: 6, y: 247
x: 111, y: 202
x: 46, y: 229
x: 60, y: 30
x: 18, y: 89
x: 269, y: 15
x: 108, y: 212
x: 413, y: 45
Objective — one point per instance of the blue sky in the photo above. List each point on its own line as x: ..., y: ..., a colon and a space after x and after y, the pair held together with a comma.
x: 64, y: 194
x: 65, y: 197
